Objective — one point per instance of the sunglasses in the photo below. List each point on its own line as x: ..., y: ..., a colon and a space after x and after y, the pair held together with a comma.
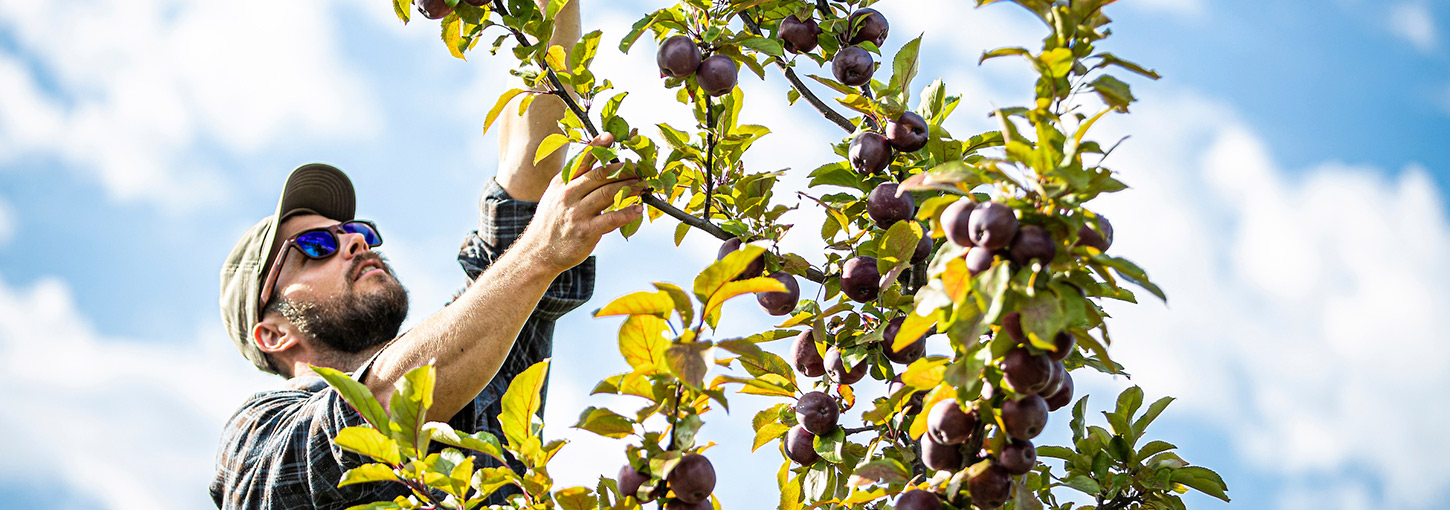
x: 318, y: 243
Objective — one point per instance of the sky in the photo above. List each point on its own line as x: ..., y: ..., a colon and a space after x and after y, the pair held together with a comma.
x: 1287, y: 179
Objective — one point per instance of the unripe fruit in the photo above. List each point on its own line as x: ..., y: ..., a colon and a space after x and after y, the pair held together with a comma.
x: 804, y: 355
x: 992, y: 226
x: 886, y: 207
x: 817, y: 412
x: 990, y: 488
x: 947, y: 423
x: 870, y: 26
x: 837, y: 368
x: 780, y: 303
x: 954, y: 221
x: 629, y: 482
x: 1088, y: 237
x: 1063, y: 396
x: 678, y: 57
x: 1025, y: 418
x: 753, y: 270
x: 717, y: 75
x: 907, y: 354
x: 1026, y: 372
x: 860, y: 280
x: 800, y: 446
x: 1032, y: 243
x: 853, y: 66
x: 978, y: 259
x: 433, y: 9
x: 693, y: 479
x: 1064, y: 342
x: 923, y: 250
x: 908, y: 133
x: 870, y: 153
x: 1018, y: 457
x: 939, y: 456
x: 798, y: 36
x: 917, y: 499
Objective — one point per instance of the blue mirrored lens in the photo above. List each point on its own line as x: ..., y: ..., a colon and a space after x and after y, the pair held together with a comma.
x: 317, y: 244
x: 370, y: 236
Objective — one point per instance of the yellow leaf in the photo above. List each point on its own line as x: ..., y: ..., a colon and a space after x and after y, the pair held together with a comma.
x: 925, y: 373
x: 368, y: 441
x: 659, y: 304
x: 724, y: 270
x: 368, y: 473
x: 555, y: 58
x: 736, y: 288
x: 520, y: 402
x: 642, y: 342
x: 918, y: 422
x: 452, y: 34
x: 503, y: 100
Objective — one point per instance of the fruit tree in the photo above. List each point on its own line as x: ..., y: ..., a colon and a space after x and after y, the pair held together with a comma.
x: 989, y: 239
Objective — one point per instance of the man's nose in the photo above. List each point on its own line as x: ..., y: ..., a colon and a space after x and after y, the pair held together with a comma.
x: 353, y: 243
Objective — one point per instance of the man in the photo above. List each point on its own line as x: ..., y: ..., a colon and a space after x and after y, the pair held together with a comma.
x: 303, y: 288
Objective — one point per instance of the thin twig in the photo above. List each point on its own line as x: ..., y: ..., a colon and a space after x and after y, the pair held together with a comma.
x: 709, y: 156
x: 800, y: 86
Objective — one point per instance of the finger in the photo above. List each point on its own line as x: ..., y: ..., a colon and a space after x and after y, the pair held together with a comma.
x: 592, y: 180
x: 612, y: 220
x: 603, y: 140
x: 600, y: 199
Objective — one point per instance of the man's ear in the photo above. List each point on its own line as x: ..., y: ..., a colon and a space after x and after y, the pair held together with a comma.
x: 275, y: 336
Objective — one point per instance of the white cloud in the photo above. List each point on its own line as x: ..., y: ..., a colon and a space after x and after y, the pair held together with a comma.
x: 126, y: 423
x: 122, y: 90
x: 8, y: 222
x: 1414, y: 23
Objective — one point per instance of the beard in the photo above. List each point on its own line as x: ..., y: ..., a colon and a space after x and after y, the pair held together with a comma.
x: 352, y: 322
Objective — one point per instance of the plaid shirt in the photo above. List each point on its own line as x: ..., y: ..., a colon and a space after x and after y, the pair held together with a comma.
x: 277, y: 451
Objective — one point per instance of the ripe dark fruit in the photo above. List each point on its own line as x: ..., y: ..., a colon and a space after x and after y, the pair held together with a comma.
x: 913, y: 403
x: 817, y: 412
x: 954, y: 220
x: 677, y: 504
x: 869, y: 25
x: 870, y: 153
x: 990, y: 488
x: 837, y: 368
x: 939, y: 456
x: 1089, y: 237
x: 1063, y: 396
x: 860, y: 280
x: 908, y: 133
x: 1012, y: 322
x: 781, y: 303
x: 753, y: 270
x: 1018, y: 457
x: 629, y: 482
x: 853, y: 66
x: 716, y: 75
x: 947, y: 423
x: 693, y: 479
x: 433, y: 9
x: 978, y: 259
x: 1064, y: 342
x: 917, y: 499
x: 886, y: 207
x: 992, y: 226
x: 800, y: 446
x: 678, y: 57
x: 1026, y: 372
x: 923, y: 250
x: 1032, y: 243
x: 1024, y: 418
x: 799, y: 36
x: 804, y: 355
x: 1054, y: 383
x: 907, y: 354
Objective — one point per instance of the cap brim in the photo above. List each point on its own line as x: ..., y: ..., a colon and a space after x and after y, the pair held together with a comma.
x: 314, y: 188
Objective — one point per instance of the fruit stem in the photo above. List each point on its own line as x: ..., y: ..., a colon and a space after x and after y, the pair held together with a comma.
x: 799, y: 86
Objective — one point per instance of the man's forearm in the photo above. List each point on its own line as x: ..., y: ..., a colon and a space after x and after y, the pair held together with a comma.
x: 519, y: 136
x: 469, y: 339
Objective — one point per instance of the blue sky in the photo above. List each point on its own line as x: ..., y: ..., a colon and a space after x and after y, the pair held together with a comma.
x: 1288, y: 193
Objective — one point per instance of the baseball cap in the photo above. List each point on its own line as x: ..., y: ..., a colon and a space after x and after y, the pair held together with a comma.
x: 314, y: 188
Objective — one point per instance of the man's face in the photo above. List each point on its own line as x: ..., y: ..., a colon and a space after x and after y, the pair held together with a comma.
x: 349, y: 301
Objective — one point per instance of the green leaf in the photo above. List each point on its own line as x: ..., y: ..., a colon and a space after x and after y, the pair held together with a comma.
x: 605, y: 422
x: 521, y: 402
x: 1110, y: 59
x: 368, y: 473
x: 897, y: 246
x: 356, y: 395
x: 642, y: 342
x: 884, y: 471
x: 1156, y: 408
x: 1003, y: 52
x: 764, y: 45
x: 1042, y: 319
x: 503, y: 100
x: 818, y: 482
x: 904, y: 67
x: 688, y: 363
x: 1084, y: 484
x: 369, y: 442
x: 410, y: 405
x: 576, y: 498
x: 1148, y: 450
x: 724, y: 270
x: 1057, y: 62
x: 830, y: 445
x: 1056, y: 452
x: 553, y: 10
x: 1114, y: 92
x: 1128, y: 402
x: 482, y: 442
x: 1203, y: 479
x: 639, y: 28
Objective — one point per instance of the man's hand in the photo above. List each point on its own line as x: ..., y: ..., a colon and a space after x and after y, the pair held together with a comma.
x: 570, y: 218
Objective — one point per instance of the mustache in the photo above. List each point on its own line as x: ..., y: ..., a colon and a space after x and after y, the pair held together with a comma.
x: 370, y: 256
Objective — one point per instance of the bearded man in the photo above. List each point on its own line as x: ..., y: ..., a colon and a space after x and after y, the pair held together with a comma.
x: 304, y: 288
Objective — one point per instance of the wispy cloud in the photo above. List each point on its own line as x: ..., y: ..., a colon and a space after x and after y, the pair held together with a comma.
x: 1414, y: 23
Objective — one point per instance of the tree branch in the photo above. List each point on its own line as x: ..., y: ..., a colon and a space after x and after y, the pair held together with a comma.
x: 799, y: 86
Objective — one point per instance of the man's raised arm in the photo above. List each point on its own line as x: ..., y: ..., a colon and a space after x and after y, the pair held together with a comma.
x: 519, y: 136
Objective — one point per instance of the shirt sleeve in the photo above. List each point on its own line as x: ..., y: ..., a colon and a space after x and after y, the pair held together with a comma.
x: 501, y: 221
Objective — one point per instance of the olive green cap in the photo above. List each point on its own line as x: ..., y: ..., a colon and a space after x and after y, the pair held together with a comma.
x: 315, y: 188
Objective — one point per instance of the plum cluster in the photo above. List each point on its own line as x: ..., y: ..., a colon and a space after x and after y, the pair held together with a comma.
x: 692, y: 480
x: 990, y: 230
x: 679, y: 57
